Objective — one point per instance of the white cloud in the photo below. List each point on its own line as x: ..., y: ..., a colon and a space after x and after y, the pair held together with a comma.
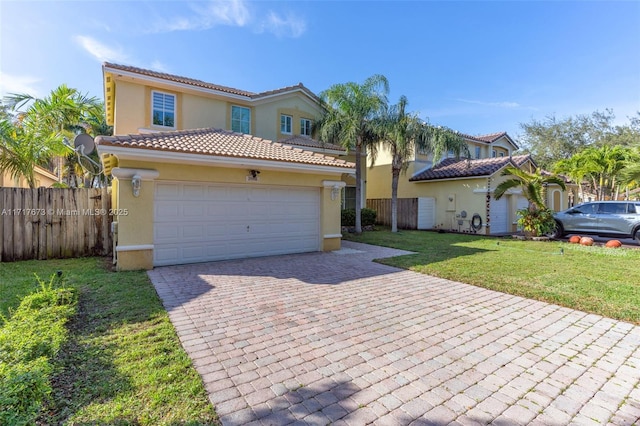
x: 101, y: 51
x: 159, y: 66
x: 504, y: 104
x: 291, y: 26
x: 233, y: 13
x: 18, y: 84
x: 215, y: 12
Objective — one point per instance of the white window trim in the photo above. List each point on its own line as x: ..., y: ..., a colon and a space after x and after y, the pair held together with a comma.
x: 244, y: 107
x: 302, y: 127
x: 175, y: 107
x: 288, y: 120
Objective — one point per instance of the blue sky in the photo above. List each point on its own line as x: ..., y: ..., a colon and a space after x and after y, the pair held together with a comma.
x: 478, y: 67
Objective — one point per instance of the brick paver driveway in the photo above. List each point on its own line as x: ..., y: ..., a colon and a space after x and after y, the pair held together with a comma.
x: 334, y: 338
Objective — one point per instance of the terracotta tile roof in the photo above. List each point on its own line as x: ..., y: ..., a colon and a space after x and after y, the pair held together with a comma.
x: 221, y: 143
x: 490, y: 138
x: 452, y: 168
x: 204, y: 84
x: 299, y: 140
x: 179, y: 79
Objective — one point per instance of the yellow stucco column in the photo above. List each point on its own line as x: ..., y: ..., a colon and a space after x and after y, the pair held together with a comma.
x: 331, y: 229
x: 134, y: 217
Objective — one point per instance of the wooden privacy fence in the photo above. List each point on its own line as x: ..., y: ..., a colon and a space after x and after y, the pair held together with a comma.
x: 47, y: 223
x: 407, y: 211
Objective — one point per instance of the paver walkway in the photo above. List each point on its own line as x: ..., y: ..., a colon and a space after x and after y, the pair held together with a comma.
x: 325, y: 338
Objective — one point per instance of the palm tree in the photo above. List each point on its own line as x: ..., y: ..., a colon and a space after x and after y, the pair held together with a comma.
x: 402, y: 133
x: 537, y: 219
x: 19, y: 152
x: 349, y: 111
x: 43, y: 130
x: 533, y: 186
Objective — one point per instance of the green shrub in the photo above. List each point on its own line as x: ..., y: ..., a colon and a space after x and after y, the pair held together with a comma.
x: 29, y: 339
x: 368, y: 217
x: 536, y: 222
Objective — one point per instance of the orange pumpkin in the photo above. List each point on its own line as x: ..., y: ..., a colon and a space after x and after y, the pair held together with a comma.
x: 586, y: 241
x: 613, y: 244
x: 575, y: 239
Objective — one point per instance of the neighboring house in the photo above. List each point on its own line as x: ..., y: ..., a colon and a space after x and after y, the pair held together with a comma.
x: 457, y: 194
x: 197, y: 176
x: 44, y: 178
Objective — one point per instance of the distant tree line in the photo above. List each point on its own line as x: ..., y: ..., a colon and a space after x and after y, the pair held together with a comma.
x: 603, y: 158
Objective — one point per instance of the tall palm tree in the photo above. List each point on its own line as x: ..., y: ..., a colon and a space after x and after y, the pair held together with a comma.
x: 402, y: 133
x: 347, y: 121
x: 574, y: 168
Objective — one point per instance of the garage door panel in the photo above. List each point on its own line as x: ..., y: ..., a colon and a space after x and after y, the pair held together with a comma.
x: 201, y: 222
x: 193, y: 192
x: 167, y: 191
x: 167, y: 233
x: 192, y: 211
x: 168, y: 212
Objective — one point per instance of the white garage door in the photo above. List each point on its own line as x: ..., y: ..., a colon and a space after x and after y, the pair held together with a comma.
x: 499, y: 216
x: 196, y: 222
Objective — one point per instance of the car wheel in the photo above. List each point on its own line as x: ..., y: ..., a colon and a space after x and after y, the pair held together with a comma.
x: 637, y: 236
x: 557, y: 232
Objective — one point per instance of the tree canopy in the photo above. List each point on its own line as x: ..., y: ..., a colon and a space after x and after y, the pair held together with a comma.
x: 34, y: 131
x: 349, y: 111
x: 402, y: 133
x: 552, y: 139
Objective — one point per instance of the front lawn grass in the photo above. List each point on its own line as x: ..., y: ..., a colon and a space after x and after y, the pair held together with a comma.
x: 123, y: 363
x: 592, y: 279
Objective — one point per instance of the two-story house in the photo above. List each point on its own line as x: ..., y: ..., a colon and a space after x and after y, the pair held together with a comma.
x: 198, y: 176
x: 457, y: 194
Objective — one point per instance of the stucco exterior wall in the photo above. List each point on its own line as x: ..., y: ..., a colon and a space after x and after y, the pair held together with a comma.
x: 200, y: 110
x: 42, y: 180
x: 131, y: 107
x: 267, y: 116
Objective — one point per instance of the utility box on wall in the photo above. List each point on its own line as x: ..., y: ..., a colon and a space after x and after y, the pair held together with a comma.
x: 451, y: 203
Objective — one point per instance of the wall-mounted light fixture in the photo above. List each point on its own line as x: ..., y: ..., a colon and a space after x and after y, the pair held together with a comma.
x: 136, y: 184
x: 253, y: 175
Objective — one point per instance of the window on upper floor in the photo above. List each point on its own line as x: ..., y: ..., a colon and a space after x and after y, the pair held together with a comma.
x: 164, y: 109
x: 285, y: 124
x: 240, y: 119
x: 305, y: 127
x: 501, y: 154
x: 494, y: 153
x: 477, y: 152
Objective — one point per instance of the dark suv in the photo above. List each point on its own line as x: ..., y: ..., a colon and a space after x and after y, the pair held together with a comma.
x: 606, y: 218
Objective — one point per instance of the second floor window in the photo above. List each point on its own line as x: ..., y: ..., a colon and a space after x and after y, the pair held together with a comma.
x: 240, y: 119
x: 285, y: 124
x: 477, y: 152
x: 305, y: 127
x: 164, y: 109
